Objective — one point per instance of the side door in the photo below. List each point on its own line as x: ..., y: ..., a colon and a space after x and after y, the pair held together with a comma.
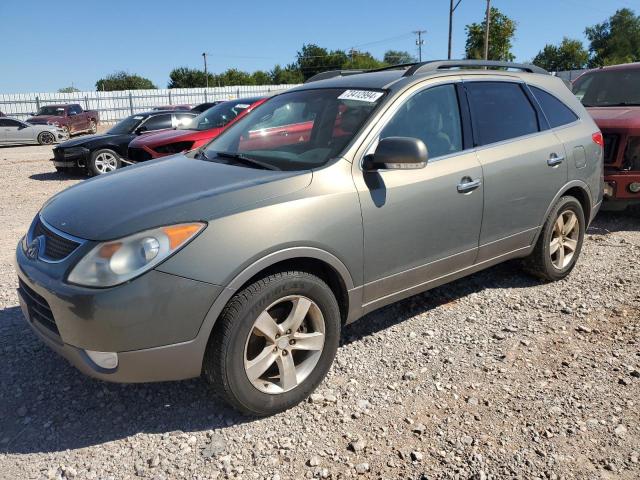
x: 156, y: 122
x: 522, y: 159
x: 423, y: 224
x: 9, y: 130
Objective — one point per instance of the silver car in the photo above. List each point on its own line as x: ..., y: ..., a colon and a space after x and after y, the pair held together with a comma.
x: 17, y: 132
x: 242, y: 260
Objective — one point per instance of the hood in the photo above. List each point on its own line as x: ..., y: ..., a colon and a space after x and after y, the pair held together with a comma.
x: 172, y: 190
x: 616, y: 117
x: 86, y: 140
x: 169, y: 136
x: 40, y: 119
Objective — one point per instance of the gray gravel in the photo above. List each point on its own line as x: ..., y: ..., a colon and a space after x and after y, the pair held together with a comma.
x: 494, y: 376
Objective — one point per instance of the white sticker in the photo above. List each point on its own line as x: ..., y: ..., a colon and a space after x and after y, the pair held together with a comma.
x: 242, y: 105
x: 361, y: 95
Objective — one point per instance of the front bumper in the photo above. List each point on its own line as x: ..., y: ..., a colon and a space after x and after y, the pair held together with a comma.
x: 152, y: 322
x: 70, y: 158
x: 617, y: 186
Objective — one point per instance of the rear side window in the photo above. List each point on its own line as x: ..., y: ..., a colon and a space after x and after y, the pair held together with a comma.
x: 500, y: 111
x: 557, y: 112
x: 158, y: 122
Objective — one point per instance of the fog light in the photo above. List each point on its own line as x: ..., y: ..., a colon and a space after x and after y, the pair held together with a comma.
x: 634, y: 187
x: 107, y: 360
x: 609, y: 188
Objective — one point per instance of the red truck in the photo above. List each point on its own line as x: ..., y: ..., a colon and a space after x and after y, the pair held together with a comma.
x: 612, y: 97
x: 71, y: 118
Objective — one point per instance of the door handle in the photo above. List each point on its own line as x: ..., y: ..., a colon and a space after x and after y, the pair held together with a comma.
x: 467, y: 185
x: 554, y: 160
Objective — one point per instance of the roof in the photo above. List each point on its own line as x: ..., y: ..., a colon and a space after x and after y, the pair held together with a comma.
x: 623, y: 66
x: 400, y: 75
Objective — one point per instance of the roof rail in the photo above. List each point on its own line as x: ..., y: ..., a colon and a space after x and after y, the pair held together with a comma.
x: 436, y: 65
x: 332, y: 74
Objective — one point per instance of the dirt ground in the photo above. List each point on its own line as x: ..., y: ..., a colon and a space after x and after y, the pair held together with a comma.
x: 495, y: 376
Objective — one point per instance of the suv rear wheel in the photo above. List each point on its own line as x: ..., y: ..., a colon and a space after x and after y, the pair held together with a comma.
x: 274, y: 342
x: 560, y: 241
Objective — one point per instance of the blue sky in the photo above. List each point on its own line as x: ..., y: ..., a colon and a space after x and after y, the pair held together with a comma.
x: 52, y: 44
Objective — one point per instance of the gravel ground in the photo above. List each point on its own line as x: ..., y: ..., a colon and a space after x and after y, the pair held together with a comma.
x: 494, y: 376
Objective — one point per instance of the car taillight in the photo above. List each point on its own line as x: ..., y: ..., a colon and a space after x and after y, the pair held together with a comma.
x: 598, y: 139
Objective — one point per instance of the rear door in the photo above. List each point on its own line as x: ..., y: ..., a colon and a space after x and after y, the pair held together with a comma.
x: 157, y: 122
x: 522, y: 159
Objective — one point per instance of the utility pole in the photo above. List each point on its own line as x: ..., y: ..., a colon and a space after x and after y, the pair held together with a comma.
x: 486, y: 31
x: 206, y: 76
x: 419, y: 42
x: 452, y: 8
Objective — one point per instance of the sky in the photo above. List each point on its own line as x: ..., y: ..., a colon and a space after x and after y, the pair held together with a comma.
x: 50, y: 45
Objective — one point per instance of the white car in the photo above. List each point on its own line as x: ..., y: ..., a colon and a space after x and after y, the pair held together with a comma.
x: 17, y: 132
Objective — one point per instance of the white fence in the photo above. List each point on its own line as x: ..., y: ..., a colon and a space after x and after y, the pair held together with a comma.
x: 114, y: 106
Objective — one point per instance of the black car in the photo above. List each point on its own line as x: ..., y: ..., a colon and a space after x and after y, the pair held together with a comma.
x: 205, y: 106
x: 98, y: 154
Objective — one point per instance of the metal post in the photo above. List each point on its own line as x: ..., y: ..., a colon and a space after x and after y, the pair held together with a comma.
x: 206, y: 75
x: 419, y: 42
x: 170, y: 98
x: 86, y: 102
x: 452, y: 8
x: 37, y: 102
x: 486, y: 31
x: 131, y: 102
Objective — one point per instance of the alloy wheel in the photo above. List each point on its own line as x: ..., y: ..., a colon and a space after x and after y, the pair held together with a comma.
x: 47, y: 138
x: 564, y: 239
x: 106, y: 162
x: 284, y: 345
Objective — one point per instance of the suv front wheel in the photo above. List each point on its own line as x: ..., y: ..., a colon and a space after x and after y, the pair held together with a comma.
x: 560, y: 241
x: 274, y: 342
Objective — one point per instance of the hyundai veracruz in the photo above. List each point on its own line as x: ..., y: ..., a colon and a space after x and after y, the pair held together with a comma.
x: 244, y: 258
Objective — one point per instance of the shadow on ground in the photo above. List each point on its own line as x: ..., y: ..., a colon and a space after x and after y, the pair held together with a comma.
x: 48, y: 406
x: 56, y: 176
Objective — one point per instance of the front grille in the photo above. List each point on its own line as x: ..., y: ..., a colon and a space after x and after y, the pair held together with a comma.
x: 56, y: 247
x: 610, y: 147
x: 39, y: 310
x: 138, y: 155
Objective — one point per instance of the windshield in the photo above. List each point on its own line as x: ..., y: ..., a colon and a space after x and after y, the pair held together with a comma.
x: 128, y: 125
x: 299, y: 130
x: 608, y: 88
x: 217, y: 116
x: 56, y: 111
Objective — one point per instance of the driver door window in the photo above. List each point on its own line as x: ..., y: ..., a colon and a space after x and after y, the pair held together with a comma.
x: 432, y: 116
x: 157, y: 122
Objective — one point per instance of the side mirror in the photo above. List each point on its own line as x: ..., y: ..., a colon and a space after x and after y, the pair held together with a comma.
x: 397, y: 153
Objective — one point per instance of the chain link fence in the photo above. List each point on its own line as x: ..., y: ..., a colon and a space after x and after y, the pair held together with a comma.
x: 113, y: 106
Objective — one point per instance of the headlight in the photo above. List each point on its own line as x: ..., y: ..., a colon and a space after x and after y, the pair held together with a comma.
x: 74, y: 151
x: 115, y: 262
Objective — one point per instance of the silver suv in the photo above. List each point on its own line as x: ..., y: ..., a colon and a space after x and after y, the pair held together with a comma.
x: 242, y: 260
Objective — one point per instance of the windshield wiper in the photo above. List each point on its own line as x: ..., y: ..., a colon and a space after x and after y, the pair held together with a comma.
x: 246, y: 160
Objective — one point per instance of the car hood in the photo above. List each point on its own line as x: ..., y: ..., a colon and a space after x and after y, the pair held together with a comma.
x: 616, y: 117
x: 172, y: 190
x: 43, y: 119
x: 168, y: 136
x: 85, y: 140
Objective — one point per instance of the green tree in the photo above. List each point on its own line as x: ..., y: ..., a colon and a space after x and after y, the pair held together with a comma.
x: 313, y: 59
x: 616, y: 40
x: 393, y: 57
x: 184, y: 77
x: 124, y: 81
x: 569, y: 55
x: 289, y: 75
x: 362, y: 61
x: 233, y: 76
x: 501, y: 32
x: 260, y: 77
x: 70, y: 89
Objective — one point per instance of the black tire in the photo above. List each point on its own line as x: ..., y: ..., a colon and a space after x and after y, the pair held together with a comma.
x: 46, y: 138
x: 67, y: 131
x: 92, y: 166
x: 93, y: 127
x: 223, y: 364
x: 540, y: 263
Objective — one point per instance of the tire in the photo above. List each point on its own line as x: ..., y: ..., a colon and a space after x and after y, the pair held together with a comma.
x: 236, y: 345
x: 93, y: 127
x: 103, y: 161
x: 546, y: 261
x: 66, y: 130
x: 46, y: 138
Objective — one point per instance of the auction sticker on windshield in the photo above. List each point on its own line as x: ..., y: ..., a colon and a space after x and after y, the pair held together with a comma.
x: 361, y: 95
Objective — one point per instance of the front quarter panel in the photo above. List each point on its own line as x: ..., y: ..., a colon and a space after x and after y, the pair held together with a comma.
x: 325, y: 216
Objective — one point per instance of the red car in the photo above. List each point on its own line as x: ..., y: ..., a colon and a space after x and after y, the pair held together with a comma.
x: 612, y: 97
x: 203, y: 128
